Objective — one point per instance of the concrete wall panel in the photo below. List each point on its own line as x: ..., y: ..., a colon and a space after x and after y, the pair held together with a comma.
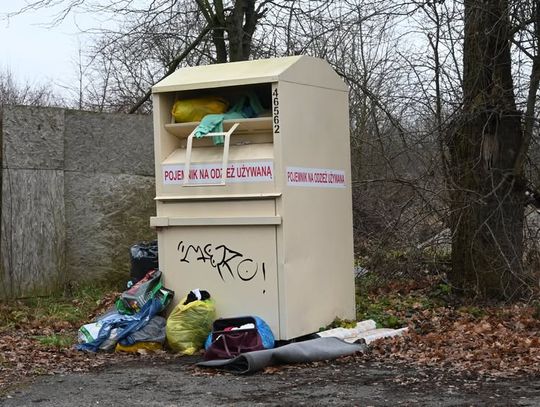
x: 33, y: 232
x: 105, y: 215
x: 77, y: 192
x: 33, y: 138
x: 109, y: 143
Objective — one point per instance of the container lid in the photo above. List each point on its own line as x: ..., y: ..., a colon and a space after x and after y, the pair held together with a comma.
x: 297, y: 69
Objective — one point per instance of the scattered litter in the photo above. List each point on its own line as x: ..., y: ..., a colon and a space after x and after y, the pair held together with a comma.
x: 364, y: 332
x: 190, y: 323
x: 151, y: 286
x: 242, y: 344
x: 370, y: 336
x: 116, y: 327
x: 360, y: 271
x: 133, y: 324
x: 143, y: 257
x: 233, y: 336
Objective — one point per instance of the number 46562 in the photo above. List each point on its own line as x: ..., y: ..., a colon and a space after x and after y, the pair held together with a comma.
x: 275, y: 110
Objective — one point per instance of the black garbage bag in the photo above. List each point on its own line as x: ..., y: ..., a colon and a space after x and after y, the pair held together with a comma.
x: 144, y: 257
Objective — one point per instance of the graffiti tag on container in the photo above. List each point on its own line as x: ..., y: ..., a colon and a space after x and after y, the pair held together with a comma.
x: 222, y: 259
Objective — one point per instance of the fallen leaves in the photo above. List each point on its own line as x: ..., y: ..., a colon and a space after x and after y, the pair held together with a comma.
x: 505, y: 341
x: 491, y: 341
x: 25, y: 351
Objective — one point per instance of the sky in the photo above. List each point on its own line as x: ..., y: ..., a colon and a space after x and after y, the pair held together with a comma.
x: 36, y: 53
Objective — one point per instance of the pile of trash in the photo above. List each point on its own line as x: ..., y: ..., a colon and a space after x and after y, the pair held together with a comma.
x: 244, y: 344
x: 138, y: 319
x: 137, y: 322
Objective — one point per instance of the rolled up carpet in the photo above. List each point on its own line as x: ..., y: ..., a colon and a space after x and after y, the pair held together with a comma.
x: 297, y: 352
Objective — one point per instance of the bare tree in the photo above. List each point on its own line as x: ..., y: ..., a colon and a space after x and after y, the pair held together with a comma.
x: 437, y: 90
x: 155, y: 38
x: 14, y: 93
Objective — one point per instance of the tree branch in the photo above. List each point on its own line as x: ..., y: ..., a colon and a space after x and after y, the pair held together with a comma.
x: 534, y: 83
x: 172, y: 67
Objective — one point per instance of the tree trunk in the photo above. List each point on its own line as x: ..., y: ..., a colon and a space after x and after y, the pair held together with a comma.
x: 487, y: 198
x: 241, y: 25
x: 218, y: 38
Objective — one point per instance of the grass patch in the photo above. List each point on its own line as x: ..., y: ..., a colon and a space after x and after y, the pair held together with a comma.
x: 58, y: 341
x: 48, y: 311
x: 381, y: 310
x: 473, y: 311
x: 339, y: 323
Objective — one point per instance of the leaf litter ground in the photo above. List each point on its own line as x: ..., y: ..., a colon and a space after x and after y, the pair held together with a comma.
x: 458, y: 346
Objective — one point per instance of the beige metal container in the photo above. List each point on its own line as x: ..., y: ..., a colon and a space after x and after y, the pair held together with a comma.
x: 273, y: 237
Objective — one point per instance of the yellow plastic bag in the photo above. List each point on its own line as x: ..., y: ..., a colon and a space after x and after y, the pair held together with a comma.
x: 193, y: 110
x: 139, y: 346
x: 189, y: 325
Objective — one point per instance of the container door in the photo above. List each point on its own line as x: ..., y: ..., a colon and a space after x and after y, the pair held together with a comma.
x: 237, y: 264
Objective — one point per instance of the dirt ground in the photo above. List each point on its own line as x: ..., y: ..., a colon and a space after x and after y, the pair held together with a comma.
x: 350, y: 381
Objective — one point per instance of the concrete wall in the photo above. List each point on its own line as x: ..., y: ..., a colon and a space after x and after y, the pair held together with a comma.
x: 77, y: 192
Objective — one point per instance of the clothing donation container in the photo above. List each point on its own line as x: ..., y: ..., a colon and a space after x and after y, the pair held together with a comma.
x: 258, y: 212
